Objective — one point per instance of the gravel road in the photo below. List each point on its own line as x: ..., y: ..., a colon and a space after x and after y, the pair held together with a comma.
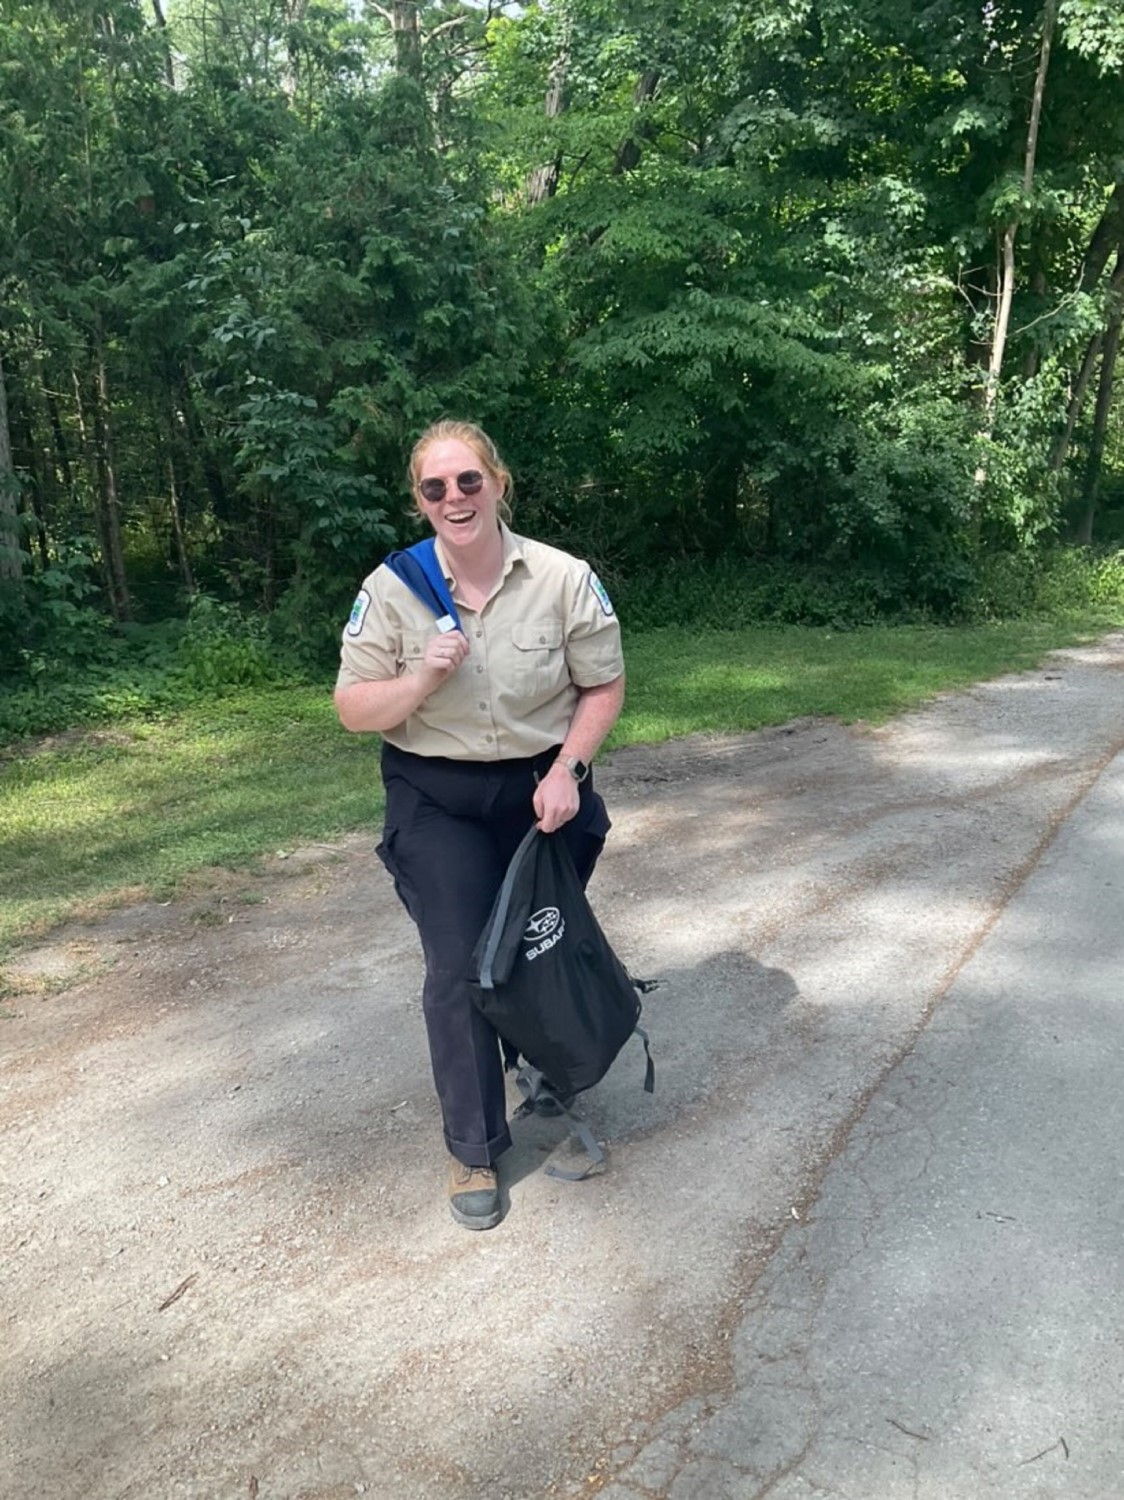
x: 227, y: 1269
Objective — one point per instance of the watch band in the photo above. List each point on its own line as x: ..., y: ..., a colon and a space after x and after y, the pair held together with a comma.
x: 577, y: 768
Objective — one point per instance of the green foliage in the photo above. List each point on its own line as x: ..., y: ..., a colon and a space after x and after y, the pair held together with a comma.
x: 221, y: 650
x: 140, y: 672
x: 57, y: 627
x: 1064, y: 583
x: 733, y: 593
x: 1095, y: 28
x: 721, y: 280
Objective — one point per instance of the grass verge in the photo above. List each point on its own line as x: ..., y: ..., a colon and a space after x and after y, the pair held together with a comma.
x: 93, y: 818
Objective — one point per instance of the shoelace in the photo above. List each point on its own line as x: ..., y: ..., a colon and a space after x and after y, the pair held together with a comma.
x: 465, y: 1174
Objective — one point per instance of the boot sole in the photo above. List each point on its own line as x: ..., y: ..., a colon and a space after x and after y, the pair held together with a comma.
x: 475, y: 1221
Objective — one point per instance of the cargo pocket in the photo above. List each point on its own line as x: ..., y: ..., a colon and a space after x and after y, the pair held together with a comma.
x: 586, y: 833
x: 401, y: 802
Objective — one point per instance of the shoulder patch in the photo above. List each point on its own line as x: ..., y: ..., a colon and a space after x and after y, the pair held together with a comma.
x: 358, y: 612
x: 599, y: 592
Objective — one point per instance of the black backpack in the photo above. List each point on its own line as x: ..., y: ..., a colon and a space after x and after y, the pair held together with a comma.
x: 545, y: 976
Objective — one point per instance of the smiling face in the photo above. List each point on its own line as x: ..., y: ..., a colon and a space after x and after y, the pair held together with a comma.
x: 462, y: 521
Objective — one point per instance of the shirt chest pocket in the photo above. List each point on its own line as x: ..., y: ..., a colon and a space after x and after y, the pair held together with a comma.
x: 412, y: 650
x: 538, y: 657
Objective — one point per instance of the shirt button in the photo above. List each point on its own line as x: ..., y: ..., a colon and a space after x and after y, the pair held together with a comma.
x: 488, y: 737
x: 484, y: 705
x: 479, y: 669
x: 542, y: 640
x: 479, y: 633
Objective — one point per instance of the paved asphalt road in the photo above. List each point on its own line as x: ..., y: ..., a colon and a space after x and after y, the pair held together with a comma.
x: 948, y: 1321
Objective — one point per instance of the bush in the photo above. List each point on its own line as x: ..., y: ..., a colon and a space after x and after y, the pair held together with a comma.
x: 142, y: 670
x: 734, y: 592
x: 1004, y: 586
x: 222, y: 648
x: 1061, y: 582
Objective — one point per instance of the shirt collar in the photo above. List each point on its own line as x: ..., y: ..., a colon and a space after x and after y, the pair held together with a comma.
x: 512, y: 553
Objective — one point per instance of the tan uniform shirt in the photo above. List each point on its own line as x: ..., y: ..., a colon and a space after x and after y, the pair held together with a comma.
x: 548, y: 630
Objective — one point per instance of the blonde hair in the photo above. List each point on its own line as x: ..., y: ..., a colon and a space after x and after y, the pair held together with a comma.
x: 481, y: 444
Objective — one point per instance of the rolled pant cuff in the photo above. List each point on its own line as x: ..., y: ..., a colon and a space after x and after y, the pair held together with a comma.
x: 472, y: 1154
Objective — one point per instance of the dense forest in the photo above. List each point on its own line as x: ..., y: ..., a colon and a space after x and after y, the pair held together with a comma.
x: 816, y: 284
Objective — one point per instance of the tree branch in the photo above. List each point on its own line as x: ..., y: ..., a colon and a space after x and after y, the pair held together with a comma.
x: 445, y: 26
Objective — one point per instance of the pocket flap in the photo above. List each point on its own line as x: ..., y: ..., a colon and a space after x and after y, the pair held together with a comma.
x: 539, y: 635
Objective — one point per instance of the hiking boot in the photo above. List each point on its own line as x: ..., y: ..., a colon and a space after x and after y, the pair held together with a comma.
x: 474, y: 1195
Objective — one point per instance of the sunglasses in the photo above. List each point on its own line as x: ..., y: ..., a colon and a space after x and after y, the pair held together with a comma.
x: 471, y: 482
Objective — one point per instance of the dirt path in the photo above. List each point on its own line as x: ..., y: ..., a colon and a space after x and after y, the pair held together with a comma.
x: 226, y: 1267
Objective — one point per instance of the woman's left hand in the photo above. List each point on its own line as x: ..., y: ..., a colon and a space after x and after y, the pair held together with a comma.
x: 556, y: 799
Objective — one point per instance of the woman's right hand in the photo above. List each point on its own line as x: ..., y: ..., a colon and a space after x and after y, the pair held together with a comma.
x: 443, y: 655
x: 383, y: 704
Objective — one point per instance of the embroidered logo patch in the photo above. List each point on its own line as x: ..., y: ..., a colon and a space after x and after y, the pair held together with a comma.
x: 358, y: 612
x: 602, y: 597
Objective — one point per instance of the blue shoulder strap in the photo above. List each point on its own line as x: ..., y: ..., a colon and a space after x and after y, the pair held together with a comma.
x: 419, y: 570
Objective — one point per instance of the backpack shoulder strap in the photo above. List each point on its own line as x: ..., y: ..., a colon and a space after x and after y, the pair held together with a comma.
x: 487, y: 979
x: 540, y: 1098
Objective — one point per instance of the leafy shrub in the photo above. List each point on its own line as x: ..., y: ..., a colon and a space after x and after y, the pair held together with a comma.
x: 733, y: 592
x: 222, y: 649
x: 1060, y: 582
x: 56, y: 625
x: 1076, y: 580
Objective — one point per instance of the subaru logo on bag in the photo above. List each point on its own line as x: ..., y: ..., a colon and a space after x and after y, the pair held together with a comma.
x: 542, y: 924
x: 543, y: 930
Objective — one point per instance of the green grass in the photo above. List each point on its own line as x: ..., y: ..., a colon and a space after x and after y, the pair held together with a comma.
x: 682, y: 681
x: 133, y: 809
x: 130, y: 811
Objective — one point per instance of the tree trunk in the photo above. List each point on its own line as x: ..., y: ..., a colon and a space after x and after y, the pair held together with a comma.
x: 90, y: 465
x: 31, y: 458
x: 407, y: 39
x: 58, y: 438
x: 162, y: 25
x: 205, y: 467
x: 109, y: 510
x: 290, y: 79
x: 1104, y: 239
x: 1033, y: 359
x: 11, y: 565
x: 1088, y: 365
x: 107, y: 484
x: 628, y: 152
x: 1095, y: 462
x: 1010, y: 233
x: 542, y: 183
x: 175, y: 506
x: 1076, y: 403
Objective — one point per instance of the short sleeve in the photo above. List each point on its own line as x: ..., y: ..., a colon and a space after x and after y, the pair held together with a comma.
x: 593, y: 635
x: 368, y: 649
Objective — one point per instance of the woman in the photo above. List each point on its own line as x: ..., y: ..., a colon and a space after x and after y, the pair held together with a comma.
x: 486, y: 729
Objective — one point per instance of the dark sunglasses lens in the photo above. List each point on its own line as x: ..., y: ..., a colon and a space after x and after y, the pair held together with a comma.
x: 470, y: 482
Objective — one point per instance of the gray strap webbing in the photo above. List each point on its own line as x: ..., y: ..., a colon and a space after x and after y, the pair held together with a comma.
x: 650, y: 1070
x: 503, y: 902
x: 531, y: 1083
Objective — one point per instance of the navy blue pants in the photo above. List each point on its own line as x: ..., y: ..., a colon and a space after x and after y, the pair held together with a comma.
x: 451, y: 829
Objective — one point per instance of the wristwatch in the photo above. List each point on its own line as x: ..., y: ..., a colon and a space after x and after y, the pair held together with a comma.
x: 577, y: 768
